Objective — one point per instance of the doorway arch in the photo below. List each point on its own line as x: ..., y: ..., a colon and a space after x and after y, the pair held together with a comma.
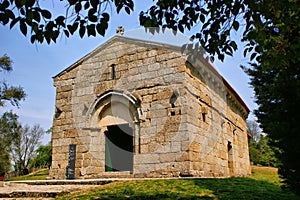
x: 117, y: 115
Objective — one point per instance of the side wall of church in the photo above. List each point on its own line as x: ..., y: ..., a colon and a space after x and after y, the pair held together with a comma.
x: 216, y: 120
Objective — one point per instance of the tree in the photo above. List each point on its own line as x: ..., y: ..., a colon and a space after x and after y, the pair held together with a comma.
x: 259, y: 146
x: 254, y: 130
x: 24, y: 145
x: 254, y: 151
x: 261, y: 153
x: 268, y: 152
x: 9, y: 93
x: 270, y: 32
x: 9, y: 128
x: 43, y: 156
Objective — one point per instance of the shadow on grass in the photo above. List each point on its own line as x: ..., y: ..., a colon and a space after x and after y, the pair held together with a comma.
x: 245, y: 188
x: 227, y: 188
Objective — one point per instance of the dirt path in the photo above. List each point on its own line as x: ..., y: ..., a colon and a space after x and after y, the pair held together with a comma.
x: 25, y: 191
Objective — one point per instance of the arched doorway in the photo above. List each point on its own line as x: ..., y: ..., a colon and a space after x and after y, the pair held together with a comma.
x: 118, y: 119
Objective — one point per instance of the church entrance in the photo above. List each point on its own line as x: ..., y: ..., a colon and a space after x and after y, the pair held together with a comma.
x: 119, y: 148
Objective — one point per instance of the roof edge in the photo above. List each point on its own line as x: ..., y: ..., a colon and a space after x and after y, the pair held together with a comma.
x: 78, y: 62
x: 215, y: 71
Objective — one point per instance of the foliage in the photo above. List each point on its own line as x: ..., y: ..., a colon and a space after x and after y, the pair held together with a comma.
x: 9, y: 93
x: 262, y: 185
x: 260, y: 150
x: 262, y: 153
x: 5, y: 63
x: 9, y: 128
x: 24, y: 144
x: 275, y: 78
x: 88, y: 16
x: 42, y: 157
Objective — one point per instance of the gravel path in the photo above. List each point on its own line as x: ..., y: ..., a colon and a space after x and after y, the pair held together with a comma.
x: 25, y: 191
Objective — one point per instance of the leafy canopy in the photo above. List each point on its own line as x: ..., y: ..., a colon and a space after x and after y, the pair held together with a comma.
x: 42, y: 157
x: 9, y: 93
x: 88, y: 16
x: 9, y: 128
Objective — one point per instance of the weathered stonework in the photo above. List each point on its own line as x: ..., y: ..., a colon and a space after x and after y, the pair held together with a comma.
x: 182, y: 117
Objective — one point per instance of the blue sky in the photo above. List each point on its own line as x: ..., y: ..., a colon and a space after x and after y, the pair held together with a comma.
x: 35, y: 65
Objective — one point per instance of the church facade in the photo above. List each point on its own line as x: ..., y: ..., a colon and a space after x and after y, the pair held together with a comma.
x: 133, y: 108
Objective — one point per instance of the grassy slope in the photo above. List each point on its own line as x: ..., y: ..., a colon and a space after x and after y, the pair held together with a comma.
x: 263, y: 184
x: 38, y: 175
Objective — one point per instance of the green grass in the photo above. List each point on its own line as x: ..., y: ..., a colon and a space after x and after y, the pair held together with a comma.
x: 38, y: 175
x: 263, y: 184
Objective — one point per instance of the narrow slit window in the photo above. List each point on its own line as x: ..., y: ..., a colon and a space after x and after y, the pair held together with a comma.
x: 113, y: 72
x: 204, y: 117
x: 230, y: 157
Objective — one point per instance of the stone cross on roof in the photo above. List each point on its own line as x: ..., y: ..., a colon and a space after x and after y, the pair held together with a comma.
x: 120, y: 30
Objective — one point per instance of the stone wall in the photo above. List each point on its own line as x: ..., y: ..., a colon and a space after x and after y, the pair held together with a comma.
x: 167, y: 99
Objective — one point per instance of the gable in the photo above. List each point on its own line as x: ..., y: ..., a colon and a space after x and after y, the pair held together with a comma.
x: 122, y: 49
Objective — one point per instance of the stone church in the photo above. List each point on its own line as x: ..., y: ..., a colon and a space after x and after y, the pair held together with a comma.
x: 135, y: 108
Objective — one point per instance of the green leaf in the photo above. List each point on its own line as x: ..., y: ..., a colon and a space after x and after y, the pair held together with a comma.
x: 4, y: 19
x: 14, y: 21
x: 66, y: 33
x: 93, y: 18
x: 202, y: 18
x: 29, y: 3
x: 36, y: 16
x: 235, y: 25
x: 91, y: 30
x: 46, y: 14
x: 5, y: 4
x: 22, y: 11
x: 81, y: 31
x: 60, y: 20
x: 72, y: 2
x: 29, y: 15
x: 127, y: 10
x: 94, y: 3
x: 233, y: 45
x: 33, y: 38
x: 105, y: 16
x: 100, y: 29
x: 23, y: 27
x: 72, y: 28
x: 54, y: 35
x: 78, y: 7
x: 118, y: 9
x: 253, y: 55
x: 180, y: 28
x: 34, y: 27
x: 9, y: 14
x: 20, y: 3
x: 47, y: 37
x: 86, y: 5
